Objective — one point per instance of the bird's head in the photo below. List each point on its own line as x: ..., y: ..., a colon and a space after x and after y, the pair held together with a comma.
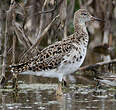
x: 83, y: 16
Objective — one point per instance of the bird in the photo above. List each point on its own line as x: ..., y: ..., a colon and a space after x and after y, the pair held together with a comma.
x: 63, y: 57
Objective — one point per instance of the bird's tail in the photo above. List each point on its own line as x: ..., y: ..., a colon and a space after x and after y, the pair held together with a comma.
x: 19, y: 68
x: 11, y: 70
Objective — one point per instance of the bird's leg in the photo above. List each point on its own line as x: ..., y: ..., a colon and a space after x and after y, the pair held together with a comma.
x: 64, y: 82
x: 65, y: 85
x: 59, y: 89
x: 62, y: 86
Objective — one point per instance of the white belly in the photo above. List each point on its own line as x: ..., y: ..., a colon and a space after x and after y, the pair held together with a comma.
x: 72, y: 64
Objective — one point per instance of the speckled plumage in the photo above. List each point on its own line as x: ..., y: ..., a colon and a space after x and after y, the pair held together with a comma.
x: 63, y: 57
x: 53, y: 54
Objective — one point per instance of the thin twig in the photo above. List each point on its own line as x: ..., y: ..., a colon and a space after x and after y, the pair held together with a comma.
x: 63, y: 16
x: 13, y: 50
x: 108, y: 16
x: 0, y: 37
x: 20, y: 29
x: 5, y: 47
x: 41, y: 19
x: 14, y: 41
x: 48, y: 11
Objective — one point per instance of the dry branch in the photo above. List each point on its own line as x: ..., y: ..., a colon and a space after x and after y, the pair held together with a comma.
x: 41, y: 19
x: 5, y: 47
x: 13, y: 50
x: 108, y: 17
x: 21, y: 35
x: 49, y: 11
x: 90, y: 67
x: 63, y: 16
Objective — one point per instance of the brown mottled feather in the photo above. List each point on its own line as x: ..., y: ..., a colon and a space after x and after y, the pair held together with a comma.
x: 50, y: 57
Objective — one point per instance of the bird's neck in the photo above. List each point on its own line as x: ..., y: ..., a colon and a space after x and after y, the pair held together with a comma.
x: 80, y: 27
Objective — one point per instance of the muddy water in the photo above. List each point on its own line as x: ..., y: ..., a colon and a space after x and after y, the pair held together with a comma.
x: 42, y: 97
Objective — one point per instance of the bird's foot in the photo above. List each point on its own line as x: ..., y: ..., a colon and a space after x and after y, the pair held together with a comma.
x: 59, y: 90
x: 62, y: 87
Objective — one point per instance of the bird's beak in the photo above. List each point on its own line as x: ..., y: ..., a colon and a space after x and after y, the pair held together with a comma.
x: 97, y: 19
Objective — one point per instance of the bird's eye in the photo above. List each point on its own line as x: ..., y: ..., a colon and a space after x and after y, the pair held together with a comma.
x: 84, y: 14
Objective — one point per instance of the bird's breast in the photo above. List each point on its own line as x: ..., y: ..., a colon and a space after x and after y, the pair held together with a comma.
x: 72, y: 61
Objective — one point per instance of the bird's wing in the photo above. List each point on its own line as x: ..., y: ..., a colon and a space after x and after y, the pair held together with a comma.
x: 49, y: 63
x: 48, y: 58
x: 51, y: 57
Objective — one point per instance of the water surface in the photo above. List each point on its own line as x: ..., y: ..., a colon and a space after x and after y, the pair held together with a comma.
x: 38, y: 96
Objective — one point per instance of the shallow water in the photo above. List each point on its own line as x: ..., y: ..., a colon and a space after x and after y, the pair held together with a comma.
x: 42, y: 97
